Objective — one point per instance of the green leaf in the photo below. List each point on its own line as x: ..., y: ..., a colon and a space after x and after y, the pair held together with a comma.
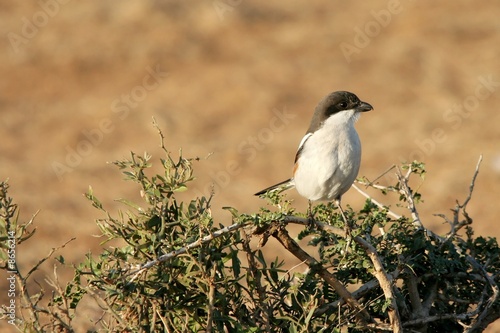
x: 181, y: 188
x: 130, y: 204
x: 232, y: 210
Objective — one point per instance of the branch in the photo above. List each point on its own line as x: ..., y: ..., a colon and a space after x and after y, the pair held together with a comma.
x: 429, y: 319
x: 366, y: 195
x: 380, y: 274
x: 430, y: 298
x: 385, y: 283
x: 371, y: 184
x: 31, y: 305
x: 455, y: 224
x: 473, y: 181
x: 485, y: 317
x: 284, y: 238
x: 478, y: 321
x: 358, y: 293
x: 167, y: 256
x: 406, y: 191
x: 44, y: 259
x: 412, y: 284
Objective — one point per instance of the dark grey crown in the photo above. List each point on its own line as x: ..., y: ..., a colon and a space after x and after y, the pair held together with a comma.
x: 336, y: 102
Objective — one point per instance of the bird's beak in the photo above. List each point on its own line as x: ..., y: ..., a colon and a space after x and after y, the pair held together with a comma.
x: 363, y: 107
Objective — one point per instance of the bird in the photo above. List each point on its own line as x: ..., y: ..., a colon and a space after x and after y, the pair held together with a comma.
x: 329, y: 155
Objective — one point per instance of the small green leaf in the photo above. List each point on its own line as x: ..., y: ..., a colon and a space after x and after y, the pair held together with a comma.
x: 181, y: 188
x: 129, y: 204
x: 232, y: 210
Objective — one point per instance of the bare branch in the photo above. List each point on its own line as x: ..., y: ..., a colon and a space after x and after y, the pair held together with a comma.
x: 405, y: 190
x: 48, y: 256
x: 472, y: 183
x: 372, y: 183
x: 456, y: 224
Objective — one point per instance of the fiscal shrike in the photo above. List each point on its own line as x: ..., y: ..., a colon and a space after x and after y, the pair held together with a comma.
x: 327, y: 161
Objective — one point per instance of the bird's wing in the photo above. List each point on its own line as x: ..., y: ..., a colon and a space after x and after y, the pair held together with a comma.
x: 301, y: 146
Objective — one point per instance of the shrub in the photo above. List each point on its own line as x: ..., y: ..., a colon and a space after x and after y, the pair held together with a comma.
x: 178, y: 270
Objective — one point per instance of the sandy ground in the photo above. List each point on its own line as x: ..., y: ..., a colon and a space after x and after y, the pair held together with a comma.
x: 81, y: 81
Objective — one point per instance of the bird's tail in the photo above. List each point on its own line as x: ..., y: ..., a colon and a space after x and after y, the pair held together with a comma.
x: 283, y: 186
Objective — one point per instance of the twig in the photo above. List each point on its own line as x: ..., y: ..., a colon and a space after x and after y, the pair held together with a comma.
x: 391, y: 213
x: 377, y: 186
x: 22, y: 281
x: 106, y: 307
x: 182, y: 250
x: 66, y: 307
x: 366, y: 195
x: 41, y: 261
x: 472, y: 183
x: 405, y: 190
x: 455, y: 224
x: 160, y: 133
x: 371, y: 184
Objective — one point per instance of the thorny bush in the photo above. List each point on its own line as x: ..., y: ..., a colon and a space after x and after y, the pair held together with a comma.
x: 178, y: 270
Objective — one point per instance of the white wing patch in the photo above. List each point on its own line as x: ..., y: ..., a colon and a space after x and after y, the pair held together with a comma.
x: 301, y: 145
x: 304, y: 139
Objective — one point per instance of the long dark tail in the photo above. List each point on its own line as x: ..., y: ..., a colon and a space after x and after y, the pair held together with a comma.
x: 283, y: 186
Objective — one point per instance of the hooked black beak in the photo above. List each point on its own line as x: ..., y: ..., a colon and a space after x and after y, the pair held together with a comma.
x: 363, y: 107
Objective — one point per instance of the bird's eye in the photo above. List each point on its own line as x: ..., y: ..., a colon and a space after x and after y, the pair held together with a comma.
x: 343, y: 105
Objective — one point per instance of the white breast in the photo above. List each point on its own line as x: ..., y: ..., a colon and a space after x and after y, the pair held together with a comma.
x: 330, y: 159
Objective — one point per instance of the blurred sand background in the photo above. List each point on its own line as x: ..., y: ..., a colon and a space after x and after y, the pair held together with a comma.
x: 240, y: 80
